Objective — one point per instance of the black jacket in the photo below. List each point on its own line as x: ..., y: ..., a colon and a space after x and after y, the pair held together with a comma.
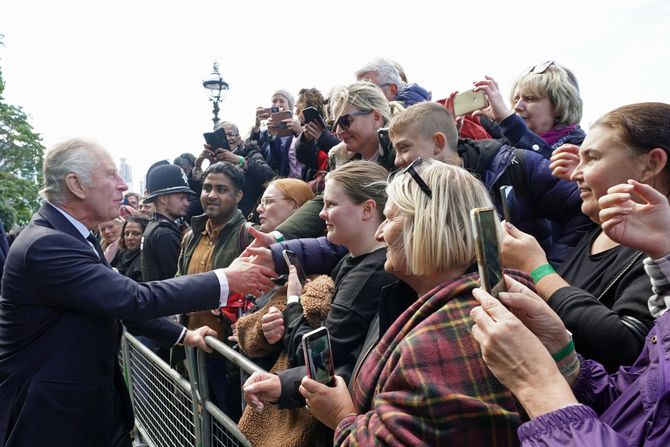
x: 358, y: 285
x: 160, y: 249
x: 257, y: 174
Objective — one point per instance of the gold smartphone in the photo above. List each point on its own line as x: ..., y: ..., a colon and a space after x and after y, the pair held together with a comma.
x: 485, y: 226
x: 469, y: 101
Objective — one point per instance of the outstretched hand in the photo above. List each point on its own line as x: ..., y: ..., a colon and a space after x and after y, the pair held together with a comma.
x: 641, y: 225
x: 247, y: 278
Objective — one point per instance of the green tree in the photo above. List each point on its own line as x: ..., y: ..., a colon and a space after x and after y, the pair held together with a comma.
x: 21, y: 153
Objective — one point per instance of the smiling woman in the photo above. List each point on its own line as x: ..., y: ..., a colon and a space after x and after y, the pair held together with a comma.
x: 601, y: 290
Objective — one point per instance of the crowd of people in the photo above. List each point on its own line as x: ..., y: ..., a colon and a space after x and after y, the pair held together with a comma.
x: 371, y: 189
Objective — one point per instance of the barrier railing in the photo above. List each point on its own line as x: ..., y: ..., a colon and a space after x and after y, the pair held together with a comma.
x: 173, y: 411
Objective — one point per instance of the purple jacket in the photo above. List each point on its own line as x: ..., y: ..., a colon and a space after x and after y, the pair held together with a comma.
x: 629, y: 408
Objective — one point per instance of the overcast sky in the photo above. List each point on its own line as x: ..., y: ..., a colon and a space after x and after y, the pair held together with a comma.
x: 129, y: 73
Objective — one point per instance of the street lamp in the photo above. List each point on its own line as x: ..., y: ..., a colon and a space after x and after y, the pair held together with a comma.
x: 215, y: 87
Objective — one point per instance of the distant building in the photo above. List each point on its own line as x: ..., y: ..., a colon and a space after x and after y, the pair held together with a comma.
x: 126, y: 172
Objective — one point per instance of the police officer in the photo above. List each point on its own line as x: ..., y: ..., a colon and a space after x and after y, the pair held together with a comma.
x: 168, y: 190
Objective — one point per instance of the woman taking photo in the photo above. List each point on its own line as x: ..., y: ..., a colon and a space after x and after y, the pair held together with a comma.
x: 601, y: 290
x: 420, y: 379
x: 546, y: 109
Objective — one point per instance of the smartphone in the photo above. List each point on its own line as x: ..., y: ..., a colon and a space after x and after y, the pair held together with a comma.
x: 469, y: 101
x: 311, y: 114
x: 292, y: 259
x: 318, y: 356
x: 277, y: 119
x: 506, y: 193
x: 384, y: 140
x: 485, y: 227
x: 217, y: 139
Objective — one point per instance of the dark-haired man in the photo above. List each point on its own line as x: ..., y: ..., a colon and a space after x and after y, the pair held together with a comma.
x: 216, y: 238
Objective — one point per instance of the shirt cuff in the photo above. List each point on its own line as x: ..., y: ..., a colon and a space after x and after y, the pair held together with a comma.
x: 182, y: 336
x: 223, y: 285
x: 292, y: 299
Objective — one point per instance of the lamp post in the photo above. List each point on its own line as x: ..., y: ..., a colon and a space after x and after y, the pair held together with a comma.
x: 216, y: 88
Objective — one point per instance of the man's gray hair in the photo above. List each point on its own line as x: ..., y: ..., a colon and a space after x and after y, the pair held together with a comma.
x: 75, y: 155
x: 386, y: 72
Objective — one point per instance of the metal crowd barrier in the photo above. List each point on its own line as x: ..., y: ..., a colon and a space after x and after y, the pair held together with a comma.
x: 173, y: 411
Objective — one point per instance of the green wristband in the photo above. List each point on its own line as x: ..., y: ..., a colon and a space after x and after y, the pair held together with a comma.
x: 541, y: 272
x: 563, y: 353
x: 277, y: 235
x: 241, y: 161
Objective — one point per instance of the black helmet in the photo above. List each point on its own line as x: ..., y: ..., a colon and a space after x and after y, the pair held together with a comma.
x: 166, y: 179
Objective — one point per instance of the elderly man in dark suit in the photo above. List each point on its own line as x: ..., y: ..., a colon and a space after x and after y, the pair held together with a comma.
x: 61, y: 308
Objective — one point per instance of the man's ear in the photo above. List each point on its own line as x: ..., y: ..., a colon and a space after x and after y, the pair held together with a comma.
x: 656, y: 162
x: 238, y: 196
x: 75, y: 186
x: 439, y: 143
x: 393, y: 89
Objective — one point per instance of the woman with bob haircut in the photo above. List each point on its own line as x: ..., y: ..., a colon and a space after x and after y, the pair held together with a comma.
x: 420, y: 378
x: 546, y: 109
x: 601, y: 289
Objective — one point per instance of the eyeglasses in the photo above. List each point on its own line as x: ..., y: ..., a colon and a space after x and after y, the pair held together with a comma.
x: 411, y: 170
x: 345, y: 120
x: 232, y: 134
x: 540, y: 68
x: 265, y: 201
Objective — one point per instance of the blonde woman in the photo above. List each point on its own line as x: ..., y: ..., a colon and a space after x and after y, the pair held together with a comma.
x: 360, y: 110
x: 419, y: 378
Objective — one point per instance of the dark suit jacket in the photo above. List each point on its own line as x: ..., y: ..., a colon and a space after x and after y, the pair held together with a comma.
x: 60, y: 311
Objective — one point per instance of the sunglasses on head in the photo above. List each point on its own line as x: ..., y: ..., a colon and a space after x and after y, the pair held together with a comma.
x: 345, y: 120
x: 411, y: 170
x: 540, y: 68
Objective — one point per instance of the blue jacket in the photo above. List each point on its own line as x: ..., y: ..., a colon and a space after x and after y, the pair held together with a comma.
x: 316, y: 255
x: 513, y: 130
x: 547, y: 208
x: 274, y: 150
x: 412, y: 94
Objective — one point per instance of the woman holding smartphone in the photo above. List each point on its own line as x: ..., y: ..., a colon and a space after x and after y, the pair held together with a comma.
x: 546, y: 110
x: 420, y: 379
x: 354, y: 197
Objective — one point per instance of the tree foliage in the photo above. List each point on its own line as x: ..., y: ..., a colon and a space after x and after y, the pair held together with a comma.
x: 21, y: 153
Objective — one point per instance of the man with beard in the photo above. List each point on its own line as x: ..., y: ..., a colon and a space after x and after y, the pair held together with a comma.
x: 216, y: 238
